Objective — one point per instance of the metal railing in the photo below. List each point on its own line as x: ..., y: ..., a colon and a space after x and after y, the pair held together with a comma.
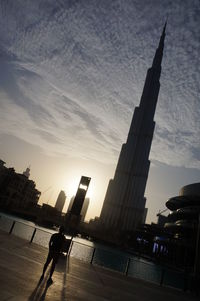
x: 111, y: 259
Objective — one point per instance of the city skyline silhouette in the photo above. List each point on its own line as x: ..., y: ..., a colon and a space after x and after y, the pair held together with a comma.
x: 68, y: 93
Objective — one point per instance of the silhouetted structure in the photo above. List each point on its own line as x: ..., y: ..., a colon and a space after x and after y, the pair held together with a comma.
x: 49, y: 216
x: 84, y: 207
x: 184, y: 223
x: 70, y: 204
x: 60, y: 202
x: 162, y: 219
x: 16, y: 190
x: 26, y: 173
x: 124, y: 204
x: 80, y: 196
x: 73, y: 217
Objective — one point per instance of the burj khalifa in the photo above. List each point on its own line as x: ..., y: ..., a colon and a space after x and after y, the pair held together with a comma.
x: 124, y: 204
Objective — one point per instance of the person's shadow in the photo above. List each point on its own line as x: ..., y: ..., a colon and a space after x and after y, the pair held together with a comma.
x: 39, y: 293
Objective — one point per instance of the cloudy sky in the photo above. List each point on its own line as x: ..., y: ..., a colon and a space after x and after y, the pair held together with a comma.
x: 71, y: 73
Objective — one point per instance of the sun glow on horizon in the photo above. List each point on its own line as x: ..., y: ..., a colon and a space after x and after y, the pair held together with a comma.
x: 72, y: 188
x: 70, y: 180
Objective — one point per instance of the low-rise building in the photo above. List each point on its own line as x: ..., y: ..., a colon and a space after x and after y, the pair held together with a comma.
x: 16, y: 190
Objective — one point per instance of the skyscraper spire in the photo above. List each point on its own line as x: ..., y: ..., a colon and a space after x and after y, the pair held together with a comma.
x: 159, y: 52
x: 124, y: 204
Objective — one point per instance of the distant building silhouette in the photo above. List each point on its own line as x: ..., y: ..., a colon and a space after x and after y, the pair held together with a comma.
x: 3, y: 171
x: 124, y: 204
x: 60, y: 201
x: 84, y: 207
x: 73, y: 216
x: 16, y: 190
x: 70, y: 204
x: 26, y: 173
x: 49, y: 216
x: 80, y: 196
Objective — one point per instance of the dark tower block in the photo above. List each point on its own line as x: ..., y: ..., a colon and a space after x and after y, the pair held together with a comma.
x: 80, y: 196
x: 124, y: 204
x: 84, y: 207
x: 73, y: 216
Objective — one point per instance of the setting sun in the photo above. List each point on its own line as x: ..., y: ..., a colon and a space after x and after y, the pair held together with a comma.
x: 72, y: 187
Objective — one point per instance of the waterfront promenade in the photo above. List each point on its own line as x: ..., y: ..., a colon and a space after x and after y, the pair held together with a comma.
x: 21, y: 265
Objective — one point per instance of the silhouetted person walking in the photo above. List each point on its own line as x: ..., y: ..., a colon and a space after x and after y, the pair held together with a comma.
x: 56, y: 243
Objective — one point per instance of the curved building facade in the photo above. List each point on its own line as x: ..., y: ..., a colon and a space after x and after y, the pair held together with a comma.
x: 184, y: 226
x: 185, y: 211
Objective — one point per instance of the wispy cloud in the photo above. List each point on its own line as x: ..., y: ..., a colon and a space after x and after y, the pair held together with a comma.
x: 72, y: 72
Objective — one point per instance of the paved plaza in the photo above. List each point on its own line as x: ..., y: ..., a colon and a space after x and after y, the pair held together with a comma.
x: 21, y: 265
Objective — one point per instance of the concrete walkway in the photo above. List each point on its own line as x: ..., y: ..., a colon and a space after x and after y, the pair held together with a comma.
x: 21, y: 265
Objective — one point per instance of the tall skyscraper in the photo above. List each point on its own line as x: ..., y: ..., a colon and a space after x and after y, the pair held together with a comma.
x: 60, y: 201
x: 124, y: 204
x: 84, y: 207
x: 73, y: 216
x: 70, y: 204
x: 80, y: 196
